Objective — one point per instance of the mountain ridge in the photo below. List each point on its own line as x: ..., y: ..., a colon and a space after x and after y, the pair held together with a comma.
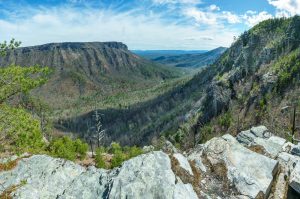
x: 83, y: 68
x: 195, y: 60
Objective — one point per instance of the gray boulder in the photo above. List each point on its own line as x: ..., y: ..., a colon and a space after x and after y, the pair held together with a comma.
x: 295, y: 178
x: 183, y: 163
x: 251, y: 173
x: 260, y: 136
x: 146, y: 176
x: 168, y: 147
x: 295, y: 150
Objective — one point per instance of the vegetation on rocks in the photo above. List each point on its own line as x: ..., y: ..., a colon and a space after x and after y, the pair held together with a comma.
x: 67, y: 148
x: 119, y: 155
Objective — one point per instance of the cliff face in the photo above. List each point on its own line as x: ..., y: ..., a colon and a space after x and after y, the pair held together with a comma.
x: 83, y: 68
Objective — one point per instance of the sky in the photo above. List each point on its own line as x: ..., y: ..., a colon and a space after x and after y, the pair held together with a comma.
x: 140, y: 24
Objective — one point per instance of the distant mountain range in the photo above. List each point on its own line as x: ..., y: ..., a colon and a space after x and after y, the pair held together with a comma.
x: 153, y: 54
x: 192, y: 60
x: 83, y: 68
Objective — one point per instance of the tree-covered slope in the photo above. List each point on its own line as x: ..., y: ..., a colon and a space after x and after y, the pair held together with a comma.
x: 252, y: 80
x: 81, y: 69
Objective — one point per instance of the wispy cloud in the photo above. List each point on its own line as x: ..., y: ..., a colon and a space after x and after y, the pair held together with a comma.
x: 149, y: 24
x: 214, y: 16
x: 252, y: 17
x: 286, y: 7
x: 139, y: 32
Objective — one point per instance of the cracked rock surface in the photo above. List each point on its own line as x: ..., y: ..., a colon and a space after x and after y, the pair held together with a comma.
x: 146, y: 176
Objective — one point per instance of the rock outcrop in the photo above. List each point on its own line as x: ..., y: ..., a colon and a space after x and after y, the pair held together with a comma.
x: 146, y: 176
x: 223, y: 167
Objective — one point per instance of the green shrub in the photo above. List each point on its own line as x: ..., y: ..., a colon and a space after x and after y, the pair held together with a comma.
x: 288, y: 70
x: 20, y: 130
x: 100, y: 163
x: 81, y: 148
x: 118, y: 158
x: 225, y: 120
x: 135, y: 151
x: 206, y: 133
x: 66, y: 148
x: 115, y: 148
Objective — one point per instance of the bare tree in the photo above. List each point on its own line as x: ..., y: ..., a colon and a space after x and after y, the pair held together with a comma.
x: 99, y: 127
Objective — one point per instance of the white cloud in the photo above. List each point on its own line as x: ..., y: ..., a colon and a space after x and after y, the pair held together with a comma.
x: 230, y: 17
x: 201, y: 17
x: 213, y: 7
x: 252, y: 18
x: 286, y: 7
x: 211, y: 17
x: 62, y: 24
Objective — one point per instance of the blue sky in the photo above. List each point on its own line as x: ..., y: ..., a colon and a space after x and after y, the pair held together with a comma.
x: 147, y: 24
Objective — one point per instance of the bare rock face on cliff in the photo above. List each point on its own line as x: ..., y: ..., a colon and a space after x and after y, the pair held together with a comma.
x: 224, y: 167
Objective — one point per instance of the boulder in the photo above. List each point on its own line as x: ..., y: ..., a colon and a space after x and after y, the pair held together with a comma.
x: 148, y: 149
x: 260, y: 136
x: 260, y: 131
x: 145, y: 176
x: 295, y: 150
x: 196, y: 156
x: 183, y: 162
x: 295, y: 178
x: 251, y: 173
x: 168, y: 147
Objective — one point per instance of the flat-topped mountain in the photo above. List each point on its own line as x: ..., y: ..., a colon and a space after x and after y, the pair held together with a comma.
x: 81, y: 68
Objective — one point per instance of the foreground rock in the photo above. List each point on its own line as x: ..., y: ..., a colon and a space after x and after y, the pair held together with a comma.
x: 255, y: 165
x: 250, y: 173
x: 146, y: 176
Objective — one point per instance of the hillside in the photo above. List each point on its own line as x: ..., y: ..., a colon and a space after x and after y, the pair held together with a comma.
x: 83, y: 69
x: 195, y: 60
x: 247, y: 85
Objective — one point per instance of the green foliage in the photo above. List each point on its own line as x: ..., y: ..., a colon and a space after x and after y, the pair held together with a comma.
x: 8, y: 46
x: 117, y: 159
x: 100, y: 163
x: 119, y: 155
x: 134, y: 151
x: 225, y: 120
x: 66, y: 148
x: 115, y: 148
x: 206, y: 133
x: 80, y: 148
x: 19, y: 129
x: 288, y: 70
x: 17, y: 79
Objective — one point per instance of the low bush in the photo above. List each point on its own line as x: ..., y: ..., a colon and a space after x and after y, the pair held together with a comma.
x: 66, y: 148
x: 119, y: 155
